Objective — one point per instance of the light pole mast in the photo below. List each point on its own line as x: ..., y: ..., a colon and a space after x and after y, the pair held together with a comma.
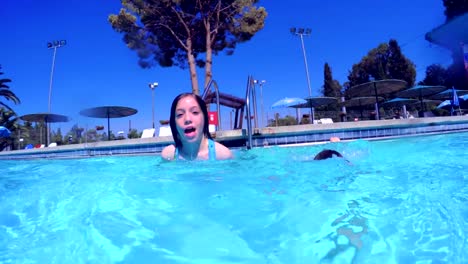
x: 52, y: 45
x: 262, y: 82
x: 152, y: 86
x: 301, y: 32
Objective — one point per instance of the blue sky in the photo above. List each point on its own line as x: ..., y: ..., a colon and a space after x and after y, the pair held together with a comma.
x: 95, y: 68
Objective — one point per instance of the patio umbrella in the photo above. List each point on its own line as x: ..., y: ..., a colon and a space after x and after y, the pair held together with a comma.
x: 420, y: 91
x: 287, y: 102
x: 400, y: 102
x: 47, y: 118
x: 447, y: 104
x: 318, y: 101
x: 360, y: 102
x: 108, y: 112
x: 4, y: 132
x: 448, y: 94
x: 312, y: 102
x: 376, y: 88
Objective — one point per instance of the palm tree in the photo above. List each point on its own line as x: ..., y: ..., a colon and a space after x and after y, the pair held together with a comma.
x: 8, y: 116
x: 6, y: 93
x: 9, y: 120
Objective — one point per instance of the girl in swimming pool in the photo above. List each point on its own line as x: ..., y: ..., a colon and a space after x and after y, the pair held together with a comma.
x: 189, y: 126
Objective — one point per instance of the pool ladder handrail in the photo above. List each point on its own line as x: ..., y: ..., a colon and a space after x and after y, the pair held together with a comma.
x: 205, y: 93
x: 247, y: 110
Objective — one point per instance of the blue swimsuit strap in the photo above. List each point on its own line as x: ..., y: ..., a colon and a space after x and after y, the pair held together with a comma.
x: 211, y: 151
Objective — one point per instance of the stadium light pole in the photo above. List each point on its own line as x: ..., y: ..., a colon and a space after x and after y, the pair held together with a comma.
x: 52, y: 45
x: 152, y: 86
x: 261, y: 83
x: 301, y: 32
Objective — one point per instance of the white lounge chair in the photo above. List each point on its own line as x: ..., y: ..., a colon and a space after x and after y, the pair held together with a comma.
x: 165, y: 131
x: 326, y: 120
x: 212, y: 128
x: 53, y: 144
x: 148, y: 133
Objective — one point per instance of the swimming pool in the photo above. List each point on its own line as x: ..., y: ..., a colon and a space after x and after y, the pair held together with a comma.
x: 397, y: 201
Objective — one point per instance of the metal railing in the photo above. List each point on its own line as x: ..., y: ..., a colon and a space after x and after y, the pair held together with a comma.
x: 247, y: 108
x: 205, y: 93
x: 249, y: 92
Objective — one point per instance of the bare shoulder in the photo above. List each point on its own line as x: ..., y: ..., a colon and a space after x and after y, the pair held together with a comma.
x: 168, y: 152
x: 222, y: 152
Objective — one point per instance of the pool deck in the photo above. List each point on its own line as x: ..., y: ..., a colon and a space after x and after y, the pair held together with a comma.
x: 269, y: 136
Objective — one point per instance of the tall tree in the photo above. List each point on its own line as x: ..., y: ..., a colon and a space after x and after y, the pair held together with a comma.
x: 384, y: 62
x: 6, y: 93
x: 436, y: 74
x: 8, y: 119
x: 331, y: 87
x: 57, y: 137
x: 454, y: 8
x: 398, y: 66
x: 176, y: 32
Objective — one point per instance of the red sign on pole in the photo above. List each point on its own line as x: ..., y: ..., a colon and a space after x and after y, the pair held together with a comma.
x: 213, y: 118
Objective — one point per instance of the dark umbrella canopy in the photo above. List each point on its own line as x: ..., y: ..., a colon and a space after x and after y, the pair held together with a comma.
x: 312, y: 102
x: 316, y: 102
x: 431, y: 101
x: 420, y: 91
x: 398, y: 102
x: 376, y: 88
x: 361, y: 101
x: 448, y: 94
x: 45, y: 117
x: 287, y: 102
x: 108, y: 112
x: 448, y: 105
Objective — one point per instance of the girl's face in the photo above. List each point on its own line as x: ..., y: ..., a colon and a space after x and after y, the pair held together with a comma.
x: 189, y: 119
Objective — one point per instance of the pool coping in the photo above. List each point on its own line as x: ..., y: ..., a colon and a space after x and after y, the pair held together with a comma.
x: 269, y: 136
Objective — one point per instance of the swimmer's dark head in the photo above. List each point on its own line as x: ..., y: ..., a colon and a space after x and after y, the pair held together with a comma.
x: 326, y: 154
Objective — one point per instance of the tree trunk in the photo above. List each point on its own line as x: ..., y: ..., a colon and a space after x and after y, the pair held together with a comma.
x: 209, y: 57
x: 193, y: 68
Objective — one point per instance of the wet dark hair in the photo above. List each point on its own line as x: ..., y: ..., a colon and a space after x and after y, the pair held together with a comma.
x: 172, y: 122
x: 326, y: 154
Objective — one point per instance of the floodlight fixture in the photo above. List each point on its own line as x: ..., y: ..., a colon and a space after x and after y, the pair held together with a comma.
x: 153, y: 85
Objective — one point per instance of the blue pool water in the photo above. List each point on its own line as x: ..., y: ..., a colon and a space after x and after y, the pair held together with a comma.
x: 397, y: 201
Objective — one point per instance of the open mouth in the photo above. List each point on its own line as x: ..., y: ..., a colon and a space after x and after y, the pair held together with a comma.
x: 189, y: 131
